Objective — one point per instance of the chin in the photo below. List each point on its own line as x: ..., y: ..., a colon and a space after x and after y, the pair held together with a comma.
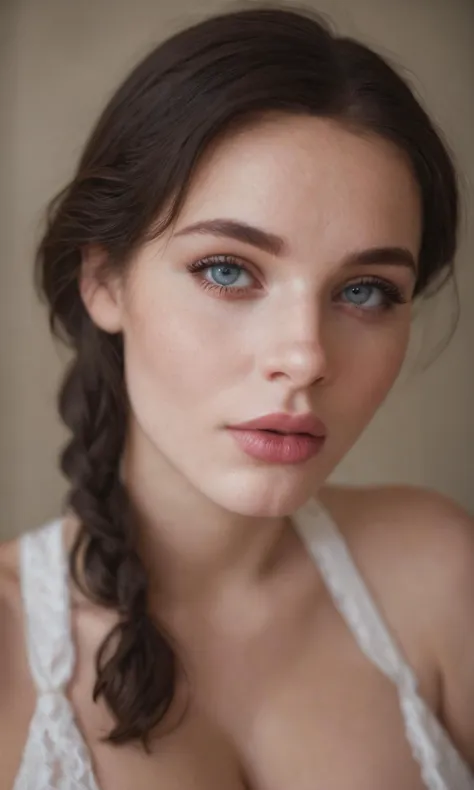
x: 266, y: 492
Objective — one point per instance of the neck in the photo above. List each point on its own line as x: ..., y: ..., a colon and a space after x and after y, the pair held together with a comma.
x: 190, y: 544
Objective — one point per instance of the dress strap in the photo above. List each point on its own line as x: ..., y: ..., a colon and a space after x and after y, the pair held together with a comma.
x: 442, y: 767
x: 45, y: 592
x: 55, y: 755
x: 349, y: 592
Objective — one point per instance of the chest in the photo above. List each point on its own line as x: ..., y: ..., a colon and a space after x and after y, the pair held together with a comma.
x: 301, y: 708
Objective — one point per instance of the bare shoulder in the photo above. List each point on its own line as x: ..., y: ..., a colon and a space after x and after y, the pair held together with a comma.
x: 11, y: 616
x: 422, y: 533
x: 415, y: 548
x: 10, y: 593
x: 17, y: 695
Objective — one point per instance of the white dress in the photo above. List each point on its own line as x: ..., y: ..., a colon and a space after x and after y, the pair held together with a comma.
x: 55, y: 755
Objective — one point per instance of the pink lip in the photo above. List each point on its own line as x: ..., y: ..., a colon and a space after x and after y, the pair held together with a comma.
x: 286, y: 423
x: 281, y: 438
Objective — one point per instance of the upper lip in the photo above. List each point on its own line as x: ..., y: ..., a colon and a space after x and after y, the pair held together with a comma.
x: 286, y: 423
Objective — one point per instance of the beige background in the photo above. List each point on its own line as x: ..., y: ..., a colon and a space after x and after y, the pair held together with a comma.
x: 59, y: 59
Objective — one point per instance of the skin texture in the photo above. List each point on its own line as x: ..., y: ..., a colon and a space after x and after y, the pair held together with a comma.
x: 281, y: 695
x: 197, y: 361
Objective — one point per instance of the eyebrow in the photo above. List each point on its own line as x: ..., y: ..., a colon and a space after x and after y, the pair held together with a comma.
x: 240, y: 231
x: 276, y: 245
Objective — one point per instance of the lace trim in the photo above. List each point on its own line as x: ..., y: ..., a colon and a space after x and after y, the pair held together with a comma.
x: 55, y: 755
x: 44, y: 582
x: 442, y: 767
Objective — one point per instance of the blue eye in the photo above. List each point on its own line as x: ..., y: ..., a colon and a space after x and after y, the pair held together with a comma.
x: 363, y: 295
x: 225, y: 274
x: 372, y: 294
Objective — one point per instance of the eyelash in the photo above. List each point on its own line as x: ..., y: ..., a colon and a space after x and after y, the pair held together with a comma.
x: 392, y: 294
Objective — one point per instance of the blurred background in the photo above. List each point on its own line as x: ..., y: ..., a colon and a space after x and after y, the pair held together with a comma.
x: 59, y: 62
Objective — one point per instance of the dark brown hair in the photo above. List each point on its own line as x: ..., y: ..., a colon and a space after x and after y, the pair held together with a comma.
x: 131, y: 181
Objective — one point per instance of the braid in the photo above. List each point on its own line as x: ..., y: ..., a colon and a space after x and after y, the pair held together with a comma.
x: 135, y: 664
x: 131, y: 181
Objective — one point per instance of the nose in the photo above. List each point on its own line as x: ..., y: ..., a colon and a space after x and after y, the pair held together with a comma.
x: 297, y: 352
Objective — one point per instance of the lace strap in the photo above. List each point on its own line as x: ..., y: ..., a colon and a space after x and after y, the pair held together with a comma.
x: 442, y: 767
x: 45, y: 592
x: 349, y: 592
x: 55, y: 755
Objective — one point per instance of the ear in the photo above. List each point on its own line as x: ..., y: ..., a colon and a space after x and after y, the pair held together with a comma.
x: 100, y: 291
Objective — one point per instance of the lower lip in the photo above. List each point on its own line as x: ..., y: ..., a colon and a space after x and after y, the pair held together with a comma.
x: 291, y: 448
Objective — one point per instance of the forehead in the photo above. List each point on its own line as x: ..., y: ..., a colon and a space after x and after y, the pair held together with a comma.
x: 309, y: 178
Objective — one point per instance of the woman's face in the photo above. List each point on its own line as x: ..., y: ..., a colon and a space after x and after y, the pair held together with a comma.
x: 302, y: 315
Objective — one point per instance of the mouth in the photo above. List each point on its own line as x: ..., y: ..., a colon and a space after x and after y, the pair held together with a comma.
x: 278, y: 448
x: 284, y: 433
x: 286, y: 424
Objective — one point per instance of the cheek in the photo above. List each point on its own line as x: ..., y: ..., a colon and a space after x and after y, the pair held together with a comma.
x: 373, y: 368
x: 177, y: 351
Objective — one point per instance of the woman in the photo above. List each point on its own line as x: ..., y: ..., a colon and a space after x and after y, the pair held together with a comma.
x: 234, y: 265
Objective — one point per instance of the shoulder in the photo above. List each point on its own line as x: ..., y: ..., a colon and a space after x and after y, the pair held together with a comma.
x: 420, y: 532
x: 17, y: 693
x: 10, y: 594
x: 415, y: 548
x: 11, y: 606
